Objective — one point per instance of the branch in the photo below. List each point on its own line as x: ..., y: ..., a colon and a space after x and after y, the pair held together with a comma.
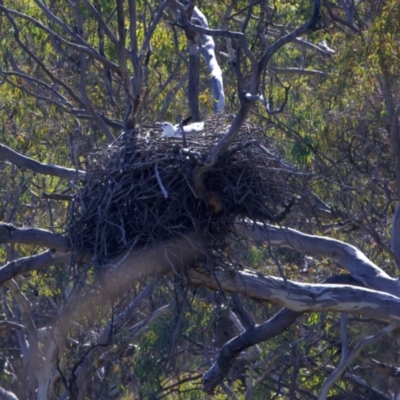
x: 298, y: 71
x: 208, y: 51
x: 111, y: 122
x: 246, y: 105
x: 33, y: 357
x: 308, y: 26
x: 348, y: 256
x: 31, y: 263
x: 46, y: 169
x: 7, y: 395
x: 383, y: 368
x: 101, y: 22
x: 87, y: 367
x: 12, y: 325
x: 256, y: 334
x: 33, y: 236
x: 86, y: 48
x: 301, y: 297
x: 153, y: 26
x: 39, y: 82
x: 38, y: 60
x: 378, y: 395
x: 214, y: 32
x: 186, y: 24
x: 346, y: 361
x: 83, y: 81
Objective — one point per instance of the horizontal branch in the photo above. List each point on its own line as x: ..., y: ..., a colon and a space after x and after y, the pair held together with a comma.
x: 113, y: 123
x: 298, y: 71
x: 33, y: 236
x: 301, y: 297
x: 12, y: 325
x: 215, y: 32
x: 31, y: 263
x: 348, y: 256
x: 46, y: 169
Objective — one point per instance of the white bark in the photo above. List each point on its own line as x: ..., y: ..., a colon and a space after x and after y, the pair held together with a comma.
x: 348, y: 256
x: 302, y: 297
x: 208, y: 51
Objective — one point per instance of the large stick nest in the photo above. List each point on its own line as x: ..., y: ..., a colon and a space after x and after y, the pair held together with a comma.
x: 140, y: 191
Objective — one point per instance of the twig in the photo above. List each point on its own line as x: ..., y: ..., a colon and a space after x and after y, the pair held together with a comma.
x: 46, y: 169
x: 164, y: 192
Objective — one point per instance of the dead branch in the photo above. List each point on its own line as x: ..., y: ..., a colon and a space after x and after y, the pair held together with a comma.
x: 33, y: 236
x: 31, y: 263
x: 46, y: 169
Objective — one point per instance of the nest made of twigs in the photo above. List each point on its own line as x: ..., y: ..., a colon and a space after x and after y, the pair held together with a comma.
x: 139, y: 192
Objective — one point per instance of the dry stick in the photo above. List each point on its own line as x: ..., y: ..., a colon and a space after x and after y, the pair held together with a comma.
x: 164, y: 192
x: 46, y: 169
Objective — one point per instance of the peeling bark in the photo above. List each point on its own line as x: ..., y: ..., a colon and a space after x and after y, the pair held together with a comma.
x: 348, y: 256
x: 302, y: 297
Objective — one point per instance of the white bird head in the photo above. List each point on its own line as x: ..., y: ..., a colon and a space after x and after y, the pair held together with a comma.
x: 168, y: 129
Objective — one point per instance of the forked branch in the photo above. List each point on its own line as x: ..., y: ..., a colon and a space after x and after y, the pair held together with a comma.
x: 247, y: 101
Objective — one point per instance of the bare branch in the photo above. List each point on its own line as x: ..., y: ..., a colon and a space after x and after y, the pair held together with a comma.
x: 346, y: 255
x: 306, y: 27
x: 12, y: 325
x: 34, y: 353
x: 101, y: 22
x: 246, y: 104
x: 298, y: 71
x: 31, y: 263
x: 152, y: 28
x: 302, y: 297
x: 32, y: 55
x: 253, y: 335
x: 48, y: 87
x: 88, y: 366
x: 33, y: 236
x: 347, y: 360
x: 214, y: 32
x: 83, y: 79
x: 86, y: 48
x: 46, y: 169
